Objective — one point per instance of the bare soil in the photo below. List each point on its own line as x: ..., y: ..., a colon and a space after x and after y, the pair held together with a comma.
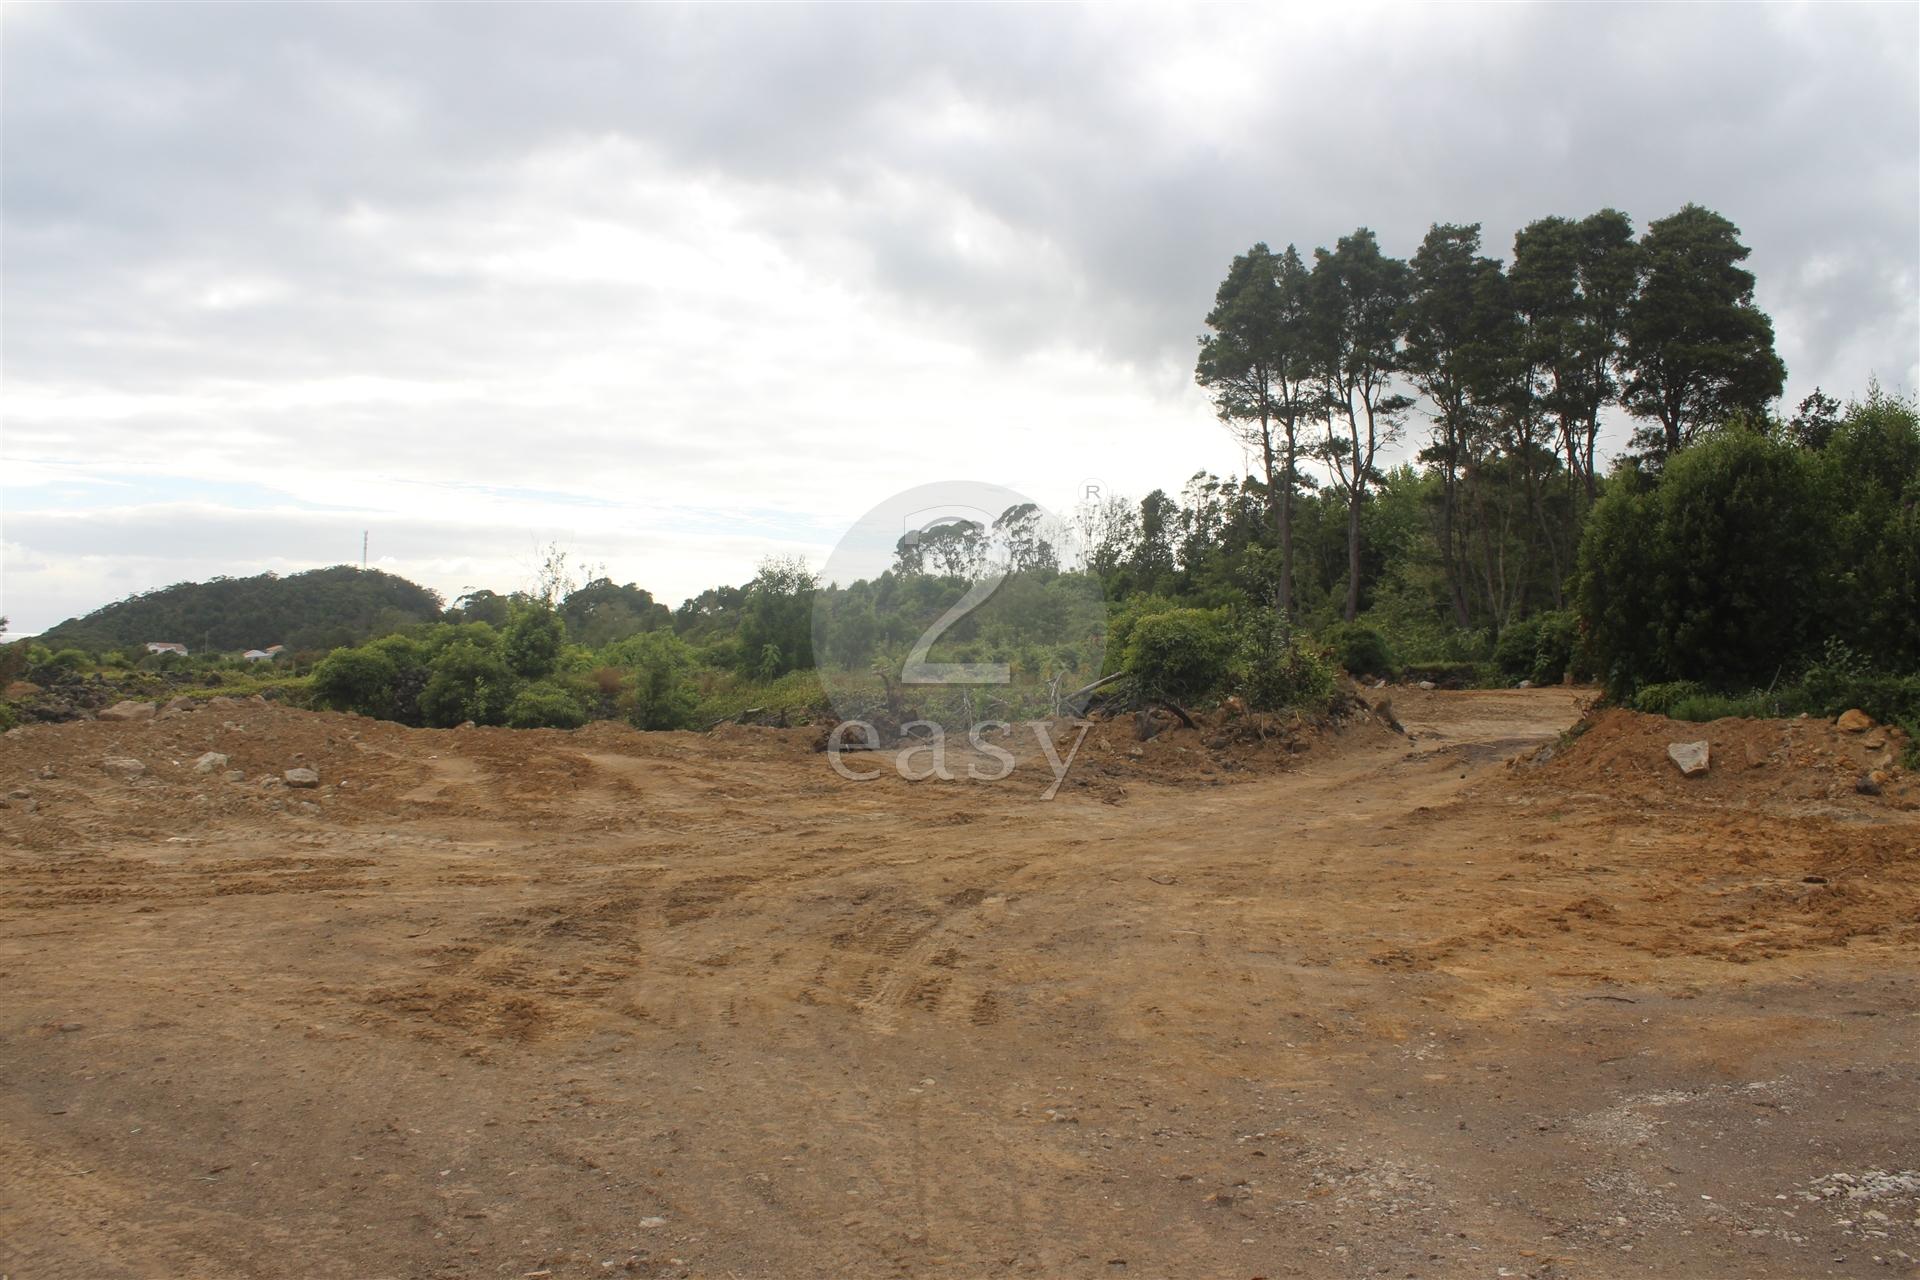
x: 488, y: 1003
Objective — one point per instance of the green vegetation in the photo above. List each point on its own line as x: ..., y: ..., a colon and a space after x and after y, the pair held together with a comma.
x: 1180, y: 654
x: 318, y: 610
x: 1733, y: 560
x: 1751, y: 556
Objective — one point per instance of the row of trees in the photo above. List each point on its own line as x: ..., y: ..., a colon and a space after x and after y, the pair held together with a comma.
x: 1515, y: 365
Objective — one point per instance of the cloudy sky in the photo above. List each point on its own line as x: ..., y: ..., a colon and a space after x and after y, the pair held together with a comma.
x: 677, y: 288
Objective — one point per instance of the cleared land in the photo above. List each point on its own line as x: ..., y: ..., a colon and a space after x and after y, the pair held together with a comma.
x: 504, y: 1004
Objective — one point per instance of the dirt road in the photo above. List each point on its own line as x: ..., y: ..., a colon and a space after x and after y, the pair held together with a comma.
x: 497, y: 1004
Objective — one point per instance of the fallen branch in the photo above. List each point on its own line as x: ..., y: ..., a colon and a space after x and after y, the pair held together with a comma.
x: 1180, y: 711
x: 738, y: 715
x: 1072, y: 700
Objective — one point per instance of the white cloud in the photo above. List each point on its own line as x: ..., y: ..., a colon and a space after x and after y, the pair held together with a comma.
x: 679, y: 288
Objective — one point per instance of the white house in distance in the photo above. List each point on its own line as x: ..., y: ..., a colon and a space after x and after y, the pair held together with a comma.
x: 267, y: 654
x: 166, y: 646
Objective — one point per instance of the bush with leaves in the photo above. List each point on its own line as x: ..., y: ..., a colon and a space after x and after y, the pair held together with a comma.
x: 1515, y: 650
x: 545, y: 705
x: 356, y: 680
x: 658, y: 693
x: 1360, y: 649
x: 1871, y: 468
x: 1274, y: 668
x: 1715, y: 574
x: 1181, y: 654
x: 71, y: 660
x: 467, y: 683
x: 1120, y: 624
x: 1661, y: 699
x: 533, y: 641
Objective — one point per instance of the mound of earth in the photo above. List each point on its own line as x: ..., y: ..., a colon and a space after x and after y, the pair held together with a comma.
x: 1775, y: 763
x: 71, y: 785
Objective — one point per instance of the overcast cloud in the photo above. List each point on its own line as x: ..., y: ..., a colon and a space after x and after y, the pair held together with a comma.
x: 678, y: 288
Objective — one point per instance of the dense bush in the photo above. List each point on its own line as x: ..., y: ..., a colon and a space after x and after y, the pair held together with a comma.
x: 1181, y: 654
x: 658, y: 693
x: 1749, y: 554
x: 545, y: 705
x: 1871, y: 471
x: 1559, y: 650
x: 1274, y: 668
x: 1713, y: 575
x: 1542, y: 648
x: 1121, y: 621
x: 71, y: 660
x: 1360, y: 649
x: 1661, y: 699
x: 1514, y: 651
x: 533, y: 640
x: 467, y: 683
x: 357, y: 680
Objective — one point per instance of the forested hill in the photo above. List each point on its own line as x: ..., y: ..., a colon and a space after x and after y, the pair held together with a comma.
x: 319, y: 609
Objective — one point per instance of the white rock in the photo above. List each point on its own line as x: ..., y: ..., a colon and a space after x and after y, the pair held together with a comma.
x: 128, y: 710
x: 301, y: 778
x: 209, y: 762
x: 123, y: 767
x: 1689, y: 757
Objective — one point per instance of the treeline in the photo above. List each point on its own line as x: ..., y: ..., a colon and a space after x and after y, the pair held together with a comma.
x: 1730, y: 553
x: 1513, y: 367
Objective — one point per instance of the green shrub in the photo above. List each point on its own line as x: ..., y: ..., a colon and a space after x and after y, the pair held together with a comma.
x: 1750, y: 552
x: 1360, y: 649
x: 1120, y: 625
x: 13, y: 661
x: 467, y: 683
x: 1661, y: 699
x: 1181, y: 654
x: 71, y: 660
x: 1274, y: 669
x: 658, y: 693
x: 545, y: 705
x: 1558, y: 650
x: 1871, y: 469
x: 1699, y: 708
x: 1515, y: 651
x: 357, y: 680
x: 8, y: 716
x: 533, y: 642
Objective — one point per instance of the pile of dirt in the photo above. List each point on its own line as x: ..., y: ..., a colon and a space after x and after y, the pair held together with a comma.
x: 66, y: 786
x: 1770, y: 763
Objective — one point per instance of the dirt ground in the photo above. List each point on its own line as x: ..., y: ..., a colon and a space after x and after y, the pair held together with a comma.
x: 1473, y: 1001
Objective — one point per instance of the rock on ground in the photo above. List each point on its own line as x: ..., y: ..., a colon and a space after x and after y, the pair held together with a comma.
x: 1690, y: 757
x: 301, y: 778
x: 123, y: 767
x: 1854, y: 721
x: 128, y: 711
x: 209, y: 762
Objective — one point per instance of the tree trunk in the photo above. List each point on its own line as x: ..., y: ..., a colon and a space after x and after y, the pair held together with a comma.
x: 1277, y: 509
x: 1354, y: 499
x: 1448, y: 499
x: 1286, y: 533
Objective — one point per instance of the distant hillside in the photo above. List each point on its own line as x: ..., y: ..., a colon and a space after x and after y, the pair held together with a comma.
x: 319, y: 609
